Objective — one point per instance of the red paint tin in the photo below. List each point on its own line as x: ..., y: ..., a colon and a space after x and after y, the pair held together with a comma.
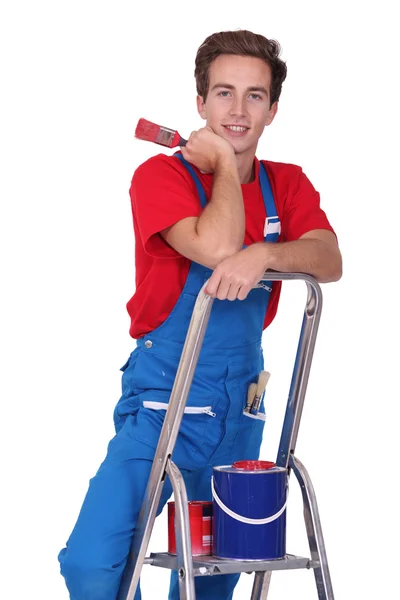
x: 200, y: 517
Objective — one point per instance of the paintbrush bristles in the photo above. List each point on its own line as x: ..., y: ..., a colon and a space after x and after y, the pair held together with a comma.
x: 262, y: 382
x: 145, y: 130
x: 261, y: 385
x: 150, y: 132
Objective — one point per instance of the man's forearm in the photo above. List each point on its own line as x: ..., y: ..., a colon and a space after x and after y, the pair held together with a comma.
x: 222, y: 223
x: 319, y: 259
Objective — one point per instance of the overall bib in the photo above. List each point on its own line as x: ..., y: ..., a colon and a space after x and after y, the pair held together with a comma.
x: 214, y: 429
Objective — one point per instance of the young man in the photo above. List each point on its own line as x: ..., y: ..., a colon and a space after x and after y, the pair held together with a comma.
x: 212, y: 212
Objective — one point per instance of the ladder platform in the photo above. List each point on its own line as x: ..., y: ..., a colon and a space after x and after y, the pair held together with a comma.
x: 210, y: 565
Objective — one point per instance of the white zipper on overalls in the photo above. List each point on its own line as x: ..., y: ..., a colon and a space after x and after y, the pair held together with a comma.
x: 264, y: 286
x: 189, y: 410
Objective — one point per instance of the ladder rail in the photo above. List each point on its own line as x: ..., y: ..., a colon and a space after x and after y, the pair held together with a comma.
x: 182, y: 534
x: 301, y: 370
x: 314, y: 531
x: 166, y: 444
x: 262, y: 580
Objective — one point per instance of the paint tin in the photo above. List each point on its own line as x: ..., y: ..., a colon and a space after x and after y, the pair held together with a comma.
x: 200, y: 517
x: 249, y: 518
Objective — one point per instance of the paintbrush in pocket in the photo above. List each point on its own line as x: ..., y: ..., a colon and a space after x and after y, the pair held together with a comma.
x: 261, y: 385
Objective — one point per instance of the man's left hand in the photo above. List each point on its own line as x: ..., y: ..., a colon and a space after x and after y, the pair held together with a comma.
x: 236, y: 276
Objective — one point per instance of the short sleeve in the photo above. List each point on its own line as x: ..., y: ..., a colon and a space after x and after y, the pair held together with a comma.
x: 302, y: 211
x: 162, y: 193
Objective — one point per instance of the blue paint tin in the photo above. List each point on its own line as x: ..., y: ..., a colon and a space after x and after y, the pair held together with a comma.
x: 249, y: 511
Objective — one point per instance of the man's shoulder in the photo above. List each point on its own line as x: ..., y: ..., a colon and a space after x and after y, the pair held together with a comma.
x: 160, y: 164
x: 280, y: 169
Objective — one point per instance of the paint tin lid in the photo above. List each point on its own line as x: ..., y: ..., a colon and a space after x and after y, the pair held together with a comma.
x: 262, y: 468
x: 253, y: 465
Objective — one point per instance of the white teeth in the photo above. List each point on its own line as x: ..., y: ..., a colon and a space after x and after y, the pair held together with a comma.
x: 236, y: 128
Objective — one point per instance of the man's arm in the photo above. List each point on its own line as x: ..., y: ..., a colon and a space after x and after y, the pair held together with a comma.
x: 315, y: 253
x: 219, y: 231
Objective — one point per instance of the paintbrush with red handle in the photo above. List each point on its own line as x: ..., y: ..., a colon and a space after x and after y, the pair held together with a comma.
x: 150, y: 132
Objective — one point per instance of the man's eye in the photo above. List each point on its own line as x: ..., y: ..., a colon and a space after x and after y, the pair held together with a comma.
x: 223, y: 93
x: 255, y: 96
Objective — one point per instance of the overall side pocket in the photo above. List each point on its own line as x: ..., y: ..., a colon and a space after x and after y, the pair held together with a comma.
x: 127, y: 404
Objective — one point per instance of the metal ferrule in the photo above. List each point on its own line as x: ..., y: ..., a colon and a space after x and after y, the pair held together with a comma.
x: 165, y: 136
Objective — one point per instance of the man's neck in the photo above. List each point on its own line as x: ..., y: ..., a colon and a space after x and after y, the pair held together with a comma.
x: 245, y: 167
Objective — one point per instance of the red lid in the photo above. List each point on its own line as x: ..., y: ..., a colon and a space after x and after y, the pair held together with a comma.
x: 253, y: 465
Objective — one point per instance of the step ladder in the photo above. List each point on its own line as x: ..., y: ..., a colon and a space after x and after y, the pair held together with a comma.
x: 187, y: 566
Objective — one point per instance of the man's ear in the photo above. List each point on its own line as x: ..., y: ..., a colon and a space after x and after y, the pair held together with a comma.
x: 271, y: 114
x: 201, y: 107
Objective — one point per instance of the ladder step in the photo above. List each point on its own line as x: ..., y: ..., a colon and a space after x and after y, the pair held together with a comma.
x: 210, y: 565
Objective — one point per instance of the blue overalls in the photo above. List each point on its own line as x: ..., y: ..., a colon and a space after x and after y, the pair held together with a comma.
x: 214, y: 429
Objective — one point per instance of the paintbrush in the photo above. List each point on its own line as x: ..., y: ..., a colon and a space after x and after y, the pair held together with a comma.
x: 261, y: 385
x: 251, y: 393
x: 150, y: 132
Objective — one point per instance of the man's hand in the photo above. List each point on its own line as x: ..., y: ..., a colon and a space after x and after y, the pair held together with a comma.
x: 315, y: 253
x: 236, y: 276
x: 206, y: 150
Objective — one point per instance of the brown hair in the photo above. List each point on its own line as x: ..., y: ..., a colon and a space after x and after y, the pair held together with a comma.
x: 242, y: 43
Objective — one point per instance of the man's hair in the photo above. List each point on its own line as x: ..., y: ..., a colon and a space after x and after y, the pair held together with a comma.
x: 241, y: 43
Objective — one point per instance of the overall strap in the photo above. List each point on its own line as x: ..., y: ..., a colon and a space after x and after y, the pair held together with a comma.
x: 202, y: 194
x: 272, y: 227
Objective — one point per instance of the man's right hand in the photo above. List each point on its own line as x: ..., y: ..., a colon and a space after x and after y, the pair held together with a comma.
x: 219, y: 231
x: 207, y: 150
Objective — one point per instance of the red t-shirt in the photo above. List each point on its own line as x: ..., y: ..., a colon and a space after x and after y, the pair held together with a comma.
x: 163, y: 192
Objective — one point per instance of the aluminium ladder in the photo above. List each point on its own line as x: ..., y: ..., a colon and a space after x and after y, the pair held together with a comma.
x: 184, y: 563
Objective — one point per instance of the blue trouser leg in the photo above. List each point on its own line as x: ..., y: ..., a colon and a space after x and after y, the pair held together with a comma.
x: 95, y: 556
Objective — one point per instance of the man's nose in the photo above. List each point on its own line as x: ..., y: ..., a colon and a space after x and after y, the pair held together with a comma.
x: 238, y: 108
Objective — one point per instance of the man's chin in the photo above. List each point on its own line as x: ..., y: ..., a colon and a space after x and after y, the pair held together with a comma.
x: 241, y: 147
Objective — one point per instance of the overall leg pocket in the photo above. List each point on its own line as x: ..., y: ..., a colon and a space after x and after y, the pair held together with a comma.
x: 204, y: 424
x: 128, y: 403
x: 201, y: 429
x: 201, y: 432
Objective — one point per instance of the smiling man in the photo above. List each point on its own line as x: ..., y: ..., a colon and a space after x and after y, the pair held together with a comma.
x: 210, y: 212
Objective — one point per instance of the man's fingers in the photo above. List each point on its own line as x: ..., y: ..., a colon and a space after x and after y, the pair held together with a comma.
x: 219, y: 286
x: 243, y: 292
x: 213, y: 284
x: 223, y: 289
x: 233, y: 292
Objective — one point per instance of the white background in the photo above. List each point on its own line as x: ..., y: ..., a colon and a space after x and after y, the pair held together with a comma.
x: 75, y: 79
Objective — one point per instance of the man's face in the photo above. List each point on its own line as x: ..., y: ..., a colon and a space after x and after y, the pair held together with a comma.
x: 238, y: 101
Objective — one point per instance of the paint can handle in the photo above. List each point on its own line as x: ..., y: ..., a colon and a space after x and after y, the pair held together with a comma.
x: 242, y: 519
